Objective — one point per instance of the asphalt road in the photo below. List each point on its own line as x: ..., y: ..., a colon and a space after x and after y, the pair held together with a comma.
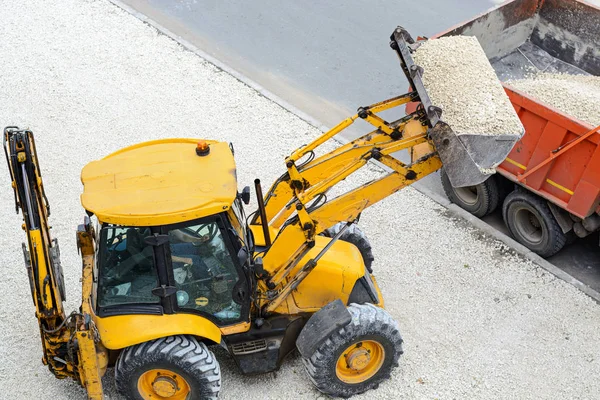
x: 329, y: 57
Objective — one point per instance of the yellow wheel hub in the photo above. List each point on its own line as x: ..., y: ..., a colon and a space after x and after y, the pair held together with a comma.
x: 360, y: 361
x: 159, y: 384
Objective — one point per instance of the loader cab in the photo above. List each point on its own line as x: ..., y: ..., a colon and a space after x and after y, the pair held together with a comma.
x: 185, y: 267
x: 172, y: 234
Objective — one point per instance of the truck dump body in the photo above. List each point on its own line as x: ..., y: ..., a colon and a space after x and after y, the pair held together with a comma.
x: 549, y: 35
x: 552, y: 36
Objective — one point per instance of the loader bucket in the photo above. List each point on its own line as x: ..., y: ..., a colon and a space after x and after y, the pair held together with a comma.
x: 468, y: 159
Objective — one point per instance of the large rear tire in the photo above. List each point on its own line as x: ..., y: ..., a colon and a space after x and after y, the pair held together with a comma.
x: 355, y: 236
x: 532, y: 224
x: 358, y: 356
x: 173, y: 367
x: 480, y: 200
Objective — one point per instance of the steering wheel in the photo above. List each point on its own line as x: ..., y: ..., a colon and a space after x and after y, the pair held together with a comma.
x: 212, y: 232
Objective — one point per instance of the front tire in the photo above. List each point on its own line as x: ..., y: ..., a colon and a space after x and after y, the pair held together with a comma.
x: 480, y: 200
x: 358, y: 356
x: 173, y: 367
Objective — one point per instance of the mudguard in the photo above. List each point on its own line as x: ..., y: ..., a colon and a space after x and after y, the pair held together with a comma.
x: 320, y: 326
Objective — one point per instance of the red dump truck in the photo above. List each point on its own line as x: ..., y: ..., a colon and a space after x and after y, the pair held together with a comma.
x: 549, y: 185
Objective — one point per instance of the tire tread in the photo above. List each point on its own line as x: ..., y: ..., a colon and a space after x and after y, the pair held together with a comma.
x: 182, y: 351
x: 355, y: 236
x: 367, y: 319
x: 488, y: 193
x: 556, y: 237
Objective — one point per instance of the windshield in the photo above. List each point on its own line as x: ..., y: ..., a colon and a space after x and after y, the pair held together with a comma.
x: 127, y: 274
x: 204, y: 271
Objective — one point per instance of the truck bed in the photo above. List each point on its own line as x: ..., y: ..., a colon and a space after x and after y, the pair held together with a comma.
x: 520, y: 62
x: 546, y: 35
x: 556, y: 36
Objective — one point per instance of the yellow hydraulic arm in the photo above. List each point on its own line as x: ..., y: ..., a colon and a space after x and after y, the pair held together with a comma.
x: 70, y: 344
x: 297, y: 206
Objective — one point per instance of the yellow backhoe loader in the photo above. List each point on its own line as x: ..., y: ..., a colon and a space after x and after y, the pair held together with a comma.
x: 172, y: 265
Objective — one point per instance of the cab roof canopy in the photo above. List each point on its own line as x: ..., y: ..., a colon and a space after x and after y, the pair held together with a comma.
x: 160, y: 182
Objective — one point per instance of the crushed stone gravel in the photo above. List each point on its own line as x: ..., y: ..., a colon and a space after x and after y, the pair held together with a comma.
x: 459, y: 79
x: 478, y: 321
x: 575, y: 95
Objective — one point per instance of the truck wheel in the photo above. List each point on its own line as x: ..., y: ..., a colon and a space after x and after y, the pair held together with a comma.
x: 532, y: 224
x: 480, y: 200
x: 173, y: 367
x: 358, y: 356
x: 355, y: 236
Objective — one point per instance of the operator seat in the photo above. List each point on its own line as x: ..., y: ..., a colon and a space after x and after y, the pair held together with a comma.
x: 140, y: 254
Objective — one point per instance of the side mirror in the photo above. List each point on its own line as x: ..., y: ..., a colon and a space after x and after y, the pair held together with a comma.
x: 243, y: 256
x: 240, y: 292
x: 245, y: 195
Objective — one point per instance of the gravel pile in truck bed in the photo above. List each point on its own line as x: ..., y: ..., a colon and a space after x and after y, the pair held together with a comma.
x: 576, y: 95
x: 459, y: 79
x: 87, y: 78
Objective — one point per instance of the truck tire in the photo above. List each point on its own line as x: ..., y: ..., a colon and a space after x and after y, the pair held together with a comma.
x: 480, y: 200
x: 532, y: 224
x: 174, y: 367
x: 358, y: 356
x: 355, y: 236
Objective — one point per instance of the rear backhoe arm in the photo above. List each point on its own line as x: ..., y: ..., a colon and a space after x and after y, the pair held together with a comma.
x: 70, y: 343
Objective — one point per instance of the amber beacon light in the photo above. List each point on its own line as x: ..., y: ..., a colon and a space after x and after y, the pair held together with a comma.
x: 202, y: 148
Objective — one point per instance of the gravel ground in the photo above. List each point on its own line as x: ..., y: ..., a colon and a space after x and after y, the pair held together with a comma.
x: 576, y: 95
x: 87, y: 78
x: 458, y: 77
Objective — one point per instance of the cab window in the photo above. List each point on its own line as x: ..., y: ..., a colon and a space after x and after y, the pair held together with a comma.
x: 204, y: 271
x: 127, y: 274
x: 238, y: 211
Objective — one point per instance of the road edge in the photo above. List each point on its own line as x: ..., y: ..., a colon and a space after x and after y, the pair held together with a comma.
x: 510, y: 242
x: 220, y: 65
x: 452, y: 208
